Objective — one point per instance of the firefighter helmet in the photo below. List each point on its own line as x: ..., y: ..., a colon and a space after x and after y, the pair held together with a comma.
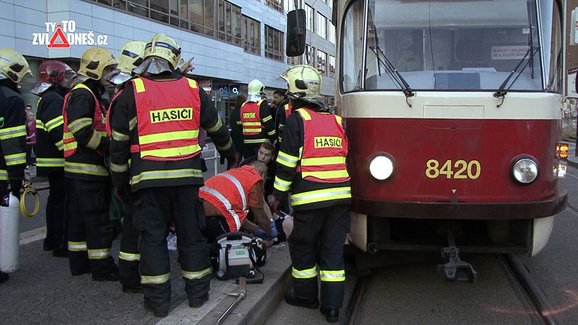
x: 53, y: 72
x: 163, y: 47
x: 304, y: 81
x: 131, y: 56
x: 13, y: 65
x: 94, y: 61
x: 254, y: 90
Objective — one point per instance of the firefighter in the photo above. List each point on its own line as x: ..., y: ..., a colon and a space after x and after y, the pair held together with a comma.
x: 90, y: 231
x: 228, y: 197
x: 160, y: 113
x: 282, y: 111
x: 131, y: 56
x: 13, y: 68
x: 55, y: 80
x: 256, y: 120
x: 311, y: 165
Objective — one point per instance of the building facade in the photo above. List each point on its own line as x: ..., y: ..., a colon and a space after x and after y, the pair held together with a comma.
x: 232, y: 41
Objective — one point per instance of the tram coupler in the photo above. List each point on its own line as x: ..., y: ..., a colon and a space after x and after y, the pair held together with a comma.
x: 456, y: 269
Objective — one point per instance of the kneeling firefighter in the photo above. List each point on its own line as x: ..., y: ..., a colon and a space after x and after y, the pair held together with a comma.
x: 311, y: 164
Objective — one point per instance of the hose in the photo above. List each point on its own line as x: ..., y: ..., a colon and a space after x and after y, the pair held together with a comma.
x: 29, y: 190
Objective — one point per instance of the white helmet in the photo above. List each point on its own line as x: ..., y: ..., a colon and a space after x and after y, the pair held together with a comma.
x: 254, y: 91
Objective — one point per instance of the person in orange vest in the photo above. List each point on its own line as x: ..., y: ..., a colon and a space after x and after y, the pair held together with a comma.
x: 256, y: 121
x: 157, y: 117
x: 311, y: 164
x: 55, y: 80
x: 228, y: 197
x: 90, y: 230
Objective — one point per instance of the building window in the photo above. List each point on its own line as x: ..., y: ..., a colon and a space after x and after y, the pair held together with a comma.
x: 309, y: 16
x: 276, y: 4
x: 309, y: 57
x: 331, y: 33
x: 229, y: 22
x: 295, y: 60
x: 290, y: 5
x: 274, y: 44
x: 251, y: 35
x: 331, y: 66
x: 321, y: 26
x: 322, y: 62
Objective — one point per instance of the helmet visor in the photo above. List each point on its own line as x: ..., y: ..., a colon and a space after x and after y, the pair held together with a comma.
x: 153, y: 65
x: 118, y: 77
x: 40, y: 88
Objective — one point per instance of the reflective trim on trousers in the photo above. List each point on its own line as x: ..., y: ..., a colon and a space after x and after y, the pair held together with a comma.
x: 131, y: 257
x: 191, y: 275
x: 98, y: 254
x: 332, y: 276
x: 155, y: 279
x: 304, y: 274
x: 77, y: 246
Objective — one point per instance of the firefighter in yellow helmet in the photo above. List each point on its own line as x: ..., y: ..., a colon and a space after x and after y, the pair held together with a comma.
x: 257, y: 123
x: 90, y: 231
x: 131, y: 56
x: 13, y: 68
x: 311, y: 165
x: 156, y: 122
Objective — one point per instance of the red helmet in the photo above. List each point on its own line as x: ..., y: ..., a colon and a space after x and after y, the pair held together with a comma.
x: 53, y: 72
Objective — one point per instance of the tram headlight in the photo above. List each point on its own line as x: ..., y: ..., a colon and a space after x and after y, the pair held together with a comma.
x: 381, y: 167
x: 525, y: 170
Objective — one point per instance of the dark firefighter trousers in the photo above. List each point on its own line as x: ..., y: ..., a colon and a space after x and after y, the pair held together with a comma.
x: 56, y: 220
x: 128, y: 257
x: 154, y: 211
x: 90, y: 232
x: 317, y: 239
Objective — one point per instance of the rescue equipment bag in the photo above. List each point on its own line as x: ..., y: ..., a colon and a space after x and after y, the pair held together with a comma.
x: 238, y: 254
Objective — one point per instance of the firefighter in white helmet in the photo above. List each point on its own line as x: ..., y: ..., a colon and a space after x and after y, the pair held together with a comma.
x: 257, y: 123
x: 90, y: 231
x: 159, y: 115
x: 311, y: 165
x: 13, y: 68
x: 131, y: 56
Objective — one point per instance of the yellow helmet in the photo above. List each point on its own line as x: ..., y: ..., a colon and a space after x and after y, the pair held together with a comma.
x: 254, y: 90
x: 304, y: 81
x: 94, y: 61
x: 131, y: 56
x: 163, y: 47
x: 13, y: 65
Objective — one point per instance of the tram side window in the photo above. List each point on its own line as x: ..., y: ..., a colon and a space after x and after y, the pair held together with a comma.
x: 352, y: 50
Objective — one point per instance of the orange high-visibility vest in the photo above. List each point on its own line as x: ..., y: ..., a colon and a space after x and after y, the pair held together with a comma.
x: 251, y: 122
x: 324, y: 148
x: 168, y: 119
x: 229, y: 191
x: 70, y: 144
x: 288, y: 110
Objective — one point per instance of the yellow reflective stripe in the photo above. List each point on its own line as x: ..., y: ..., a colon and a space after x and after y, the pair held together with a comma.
x: 281, y: 184
x: 339, y: 119
x: 191, y: 275
x: 131, y: 257
x: 322, y: 161
x: 304, y: 114
x: 304, y: 274
x: 226, y: 146
x: 272, y: 132
x: 245, y: 130
x: 171, y: 152
x: 164, y: 174
x: 155, y: 279
x: 59, y: 145
x: 54, y: 123
x: 268, y: 118
x: 327, y: 194
x: 98, y: 254
x: 49, y: 162
x: 251, y: 124
x: 87, y: 169
x: 68, y: 135
x: 69, y: 145
x: 215, y: 127
x: 132, y: 124
x: 286, y: 159
x: 40, y: 125
x: 192, y: 83
x: 118, y: 168
x: 332, y: 276
x: 117, y: 136
x: 3, y: 175
x: 139, y: 85
x: 168, y: 136
x: 13, y: 132
x: 94, y: 141
x: 76, y: 246
x: 74, y: 126
x: 15, y: 159
x: 251, y: 141
x: 327, y: 174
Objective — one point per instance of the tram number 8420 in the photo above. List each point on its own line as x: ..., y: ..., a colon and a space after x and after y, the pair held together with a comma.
x: 459, y: 169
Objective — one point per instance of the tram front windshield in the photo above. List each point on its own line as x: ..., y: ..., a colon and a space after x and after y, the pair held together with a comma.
x: 443, y: 45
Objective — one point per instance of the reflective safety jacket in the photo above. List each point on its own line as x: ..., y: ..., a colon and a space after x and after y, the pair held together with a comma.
x: 287, y: 109
x: 85, y: 140
x: 228, y: 192
x: 12, y: 135
x: 257, y: 122
x: 167, y: 119
x: 49, y: 129
x: 312, y: 165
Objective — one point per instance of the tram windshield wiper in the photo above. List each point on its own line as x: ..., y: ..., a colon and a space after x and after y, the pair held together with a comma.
x: 392, y: 71
x: 506, y: 85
